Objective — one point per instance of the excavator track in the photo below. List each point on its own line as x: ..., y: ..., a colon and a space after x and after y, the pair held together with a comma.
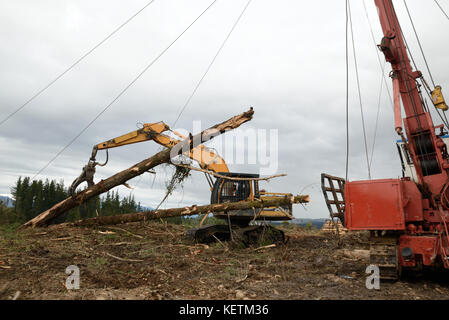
x: 260, y: 235
x: 248, y: 235
x: 383, y: 253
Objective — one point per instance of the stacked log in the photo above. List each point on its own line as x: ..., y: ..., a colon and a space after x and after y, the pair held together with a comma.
x: 331, y: 227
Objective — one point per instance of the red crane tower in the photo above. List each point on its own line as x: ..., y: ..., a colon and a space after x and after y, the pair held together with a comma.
x: 407, y: 219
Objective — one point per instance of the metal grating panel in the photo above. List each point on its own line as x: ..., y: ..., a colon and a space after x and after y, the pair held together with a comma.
x: 332, y: 187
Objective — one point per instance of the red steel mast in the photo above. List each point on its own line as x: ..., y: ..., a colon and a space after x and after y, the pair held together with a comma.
x: 408, y: 220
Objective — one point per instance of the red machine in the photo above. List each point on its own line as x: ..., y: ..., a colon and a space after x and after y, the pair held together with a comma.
x: 408, y: 219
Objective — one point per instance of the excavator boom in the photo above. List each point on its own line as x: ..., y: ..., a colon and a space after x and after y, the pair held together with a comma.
x: 206, y: 157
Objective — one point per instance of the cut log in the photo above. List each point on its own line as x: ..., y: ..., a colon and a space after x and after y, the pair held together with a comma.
x: 356, y: 254
x: 120, y: 178
x: 331, y: 227
x: 187, y: 211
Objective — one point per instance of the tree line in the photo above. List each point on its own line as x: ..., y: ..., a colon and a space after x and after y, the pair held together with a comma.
x: 31, y: 197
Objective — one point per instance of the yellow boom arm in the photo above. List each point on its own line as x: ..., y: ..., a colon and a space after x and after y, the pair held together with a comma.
x: 206, y: 158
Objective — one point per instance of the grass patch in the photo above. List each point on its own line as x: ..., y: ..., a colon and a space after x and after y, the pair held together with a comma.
x: 9, y: 231
x: 99, y: 262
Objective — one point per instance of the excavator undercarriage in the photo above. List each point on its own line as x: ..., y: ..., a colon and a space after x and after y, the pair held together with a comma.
x: 239, y: 225
x: 250, y: 235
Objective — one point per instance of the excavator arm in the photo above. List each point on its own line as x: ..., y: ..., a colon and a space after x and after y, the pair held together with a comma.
x: 206, y: 158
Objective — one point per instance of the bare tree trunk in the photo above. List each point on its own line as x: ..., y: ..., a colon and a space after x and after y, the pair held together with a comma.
x: 188, y: 211
x: 120, y: 178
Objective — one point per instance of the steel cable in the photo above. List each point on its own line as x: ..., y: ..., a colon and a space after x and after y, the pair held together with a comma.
x: 74, y: 64
x: 211, y: 63
x: 442, y: 10
x: 347, y: 90
x: 419, y: 43
x: 124, y: 90
x: 359, y: 90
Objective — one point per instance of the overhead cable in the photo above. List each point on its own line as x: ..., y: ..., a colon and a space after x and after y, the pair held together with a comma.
x: 48, y: 85
x: 123, y: 90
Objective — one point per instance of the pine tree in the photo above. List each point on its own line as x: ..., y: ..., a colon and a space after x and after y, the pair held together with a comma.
x: 34, y: 197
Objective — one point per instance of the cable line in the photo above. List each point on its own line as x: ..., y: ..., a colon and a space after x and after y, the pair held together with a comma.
x: 442, y: 10
x: 443, y: 118
x: 383, y: 80
x: 419, y: 43
x: 377, y: 116
x: 359, y: 91
x: 212, y: 62
x: 74, y: 64
x: 347, y: 90
x: 404, y: 73
x: 201, y: 80
x: 382, y: 66
x: 124, y: 89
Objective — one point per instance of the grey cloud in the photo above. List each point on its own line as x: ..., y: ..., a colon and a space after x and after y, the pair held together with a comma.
x: 285, y: 60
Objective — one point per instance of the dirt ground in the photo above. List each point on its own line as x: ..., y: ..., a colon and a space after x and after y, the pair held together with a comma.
x: 153, y: 261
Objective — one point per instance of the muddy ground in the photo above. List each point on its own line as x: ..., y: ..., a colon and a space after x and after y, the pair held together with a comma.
x: 153, y: 261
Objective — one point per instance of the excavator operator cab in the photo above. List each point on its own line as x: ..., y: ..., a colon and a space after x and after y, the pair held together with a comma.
x: 225, y: 190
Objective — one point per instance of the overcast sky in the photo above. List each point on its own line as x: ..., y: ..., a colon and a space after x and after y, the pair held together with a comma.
x: 286, y: 59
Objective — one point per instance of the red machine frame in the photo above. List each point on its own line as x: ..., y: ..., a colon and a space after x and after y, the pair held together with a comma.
x: 414, y: 214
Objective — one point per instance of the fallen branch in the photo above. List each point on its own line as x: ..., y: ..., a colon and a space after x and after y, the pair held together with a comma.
x: 242, y: 279
x: 123, y: 259
x: 62, y: 239
x: 214, y: 264
x: 117, y: 244
x: 120, y: 178
x: 106, y: 232
x: 227, y: 177
x: 187, y: 211
x: 130, y: 233
x: 16, y: 295
x: 265, y: 247
x: 225, y: 247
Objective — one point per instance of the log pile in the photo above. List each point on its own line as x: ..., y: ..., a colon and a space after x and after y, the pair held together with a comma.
x: 331, y: 227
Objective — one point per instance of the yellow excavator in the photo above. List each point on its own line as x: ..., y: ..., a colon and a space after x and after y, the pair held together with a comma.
x: 245, y: 188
